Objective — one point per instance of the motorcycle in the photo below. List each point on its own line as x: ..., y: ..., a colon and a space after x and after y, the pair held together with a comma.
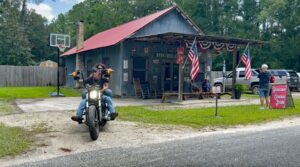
x: 96, y: 113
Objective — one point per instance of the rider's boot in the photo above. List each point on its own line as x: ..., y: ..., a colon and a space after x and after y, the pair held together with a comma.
x: 113, y: 115
x: 77, y: 119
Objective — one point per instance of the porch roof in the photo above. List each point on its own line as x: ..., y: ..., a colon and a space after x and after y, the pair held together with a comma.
x: 177, y: 37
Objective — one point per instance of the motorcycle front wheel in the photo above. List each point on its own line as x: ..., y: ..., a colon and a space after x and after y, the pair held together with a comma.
x: 93, y: 122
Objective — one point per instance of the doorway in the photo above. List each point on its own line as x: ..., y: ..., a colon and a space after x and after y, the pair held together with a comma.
x: 170, y: 77
x: 139, y: 69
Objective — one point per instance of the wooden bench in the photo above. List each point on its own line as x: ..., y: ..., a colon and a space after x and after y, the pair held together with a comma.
x: 168, y: 94
x: 200, y: 95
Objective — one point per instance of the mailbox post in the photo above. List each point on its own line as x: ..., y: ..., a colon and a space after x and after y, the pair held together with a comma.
x: 216, y: 90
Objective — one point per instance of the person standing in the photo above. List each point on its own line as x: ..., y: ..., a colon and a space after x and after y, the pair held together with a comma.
x: 264, y: 86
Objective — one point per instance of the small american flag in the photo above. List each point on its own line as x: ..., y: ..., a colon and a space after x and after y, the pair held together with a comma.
x: 246, y: 61
x: 194, y: 60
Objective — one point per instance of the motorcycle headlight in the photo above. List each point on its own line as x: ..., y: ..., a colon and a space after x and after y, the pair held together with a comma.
x: 93, y: 94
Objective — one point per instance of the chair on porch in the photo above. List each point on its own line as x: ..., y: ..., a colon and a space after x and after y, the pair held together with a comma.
x: 155, y: 93
x: 141, y: 91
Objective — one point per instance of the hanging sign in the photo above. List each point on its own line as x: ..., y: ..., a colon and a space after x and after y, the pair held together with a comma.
x: 278, y: 96
x: 179, y: 58
x: 166, y: 55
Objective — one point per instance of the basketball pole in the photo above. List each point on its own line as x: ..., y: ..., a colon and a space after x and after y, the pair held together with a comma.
x: 61, y: 42
x: 58, y: 54
x: 57, y: 94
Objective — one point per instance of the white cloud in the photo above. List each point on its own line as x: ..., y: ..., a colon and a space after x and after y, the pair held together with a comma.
x: 64, y: 0
x: 70, y: 1
x: 42, y: 9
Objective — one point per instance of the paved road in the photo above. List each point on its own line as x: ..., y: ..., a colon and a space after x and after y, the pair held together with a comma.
x: 277, y: 147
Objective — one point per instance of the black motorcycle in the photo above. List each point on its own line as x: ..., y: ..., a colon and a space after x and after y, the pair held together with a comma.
x: 96, y: 113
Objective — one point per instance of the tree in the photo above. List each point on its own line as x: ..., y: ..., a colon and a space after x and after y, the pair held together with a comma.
x: 15, y: 49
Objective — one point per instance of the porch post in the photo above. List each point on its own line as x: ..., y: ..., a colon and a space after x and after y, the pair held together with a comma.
x: 209, y: 67
x: 234, y: 65
x: 180, y: 83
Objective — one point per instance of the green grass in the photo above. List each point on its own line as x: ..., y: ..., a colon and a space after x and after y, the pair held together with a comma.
x: 32, y: 92
x: 6, y: 106
x: 13, y: 141
x: 249, y: 96
x: 203, y: 117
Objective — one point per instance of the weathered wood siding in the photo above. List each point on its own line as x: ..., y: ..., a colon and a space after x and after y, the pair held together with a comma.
x: 171, y: 22
x: 30, y: 76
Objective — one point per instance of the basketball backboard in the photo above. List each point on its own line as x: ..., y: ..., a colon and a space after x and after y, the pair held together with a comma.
x: 57, y: 40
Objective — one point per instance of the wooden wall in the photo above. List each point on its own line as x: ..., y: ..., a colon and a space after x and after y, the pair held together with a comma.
x: 30, y: 76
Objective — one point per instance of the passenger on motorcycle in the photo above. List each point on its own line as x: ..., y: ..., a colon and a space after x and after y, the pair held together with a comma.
x: 94, y: 79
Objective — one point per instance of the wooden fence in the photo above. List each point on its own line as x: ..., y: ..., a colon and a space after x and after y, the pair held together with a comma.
x: 30, y: 76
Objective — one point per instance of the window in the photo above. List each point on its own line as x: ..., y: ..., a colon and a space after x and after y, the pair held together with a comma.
x: 282, y: 73
x: 242, y: 74
x: 279, y: 73
x: 254, y: 73
x: 229, y: 75
x: 139, y: 68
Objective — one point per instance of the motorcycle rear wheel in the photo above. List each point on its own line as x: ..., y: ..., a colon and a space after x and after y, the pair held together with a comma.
x: 93, y: 122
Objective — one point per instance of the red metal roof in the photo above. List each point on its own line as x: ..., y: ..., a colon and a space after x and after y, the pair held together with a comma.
x: 117, y: 34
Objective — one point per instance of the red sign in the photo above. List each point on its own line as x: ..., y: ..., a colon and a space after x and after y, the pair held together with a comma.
x: 179, y: 58
x: 278, y: 96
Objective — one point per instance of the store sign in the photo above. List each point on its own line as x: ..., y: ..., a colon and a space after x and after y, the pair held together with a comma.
x: 166, y: 55
x: 125, y: 77
x: 278, y: 96
x: 179, y: 58
x: 125, y: 64
x: 216, y: 89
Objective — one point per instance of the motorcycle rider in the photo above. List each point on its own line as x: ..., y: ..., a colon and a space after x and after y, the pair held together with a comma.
x: 103, y: 82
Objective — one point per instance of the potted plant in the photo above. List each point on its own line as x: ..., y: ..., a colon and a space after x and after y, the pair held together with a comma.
x: 238, y: 90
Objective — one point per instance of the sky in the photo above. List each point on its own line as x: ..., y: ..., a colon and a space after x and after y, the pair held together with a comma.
x: 51, y: 9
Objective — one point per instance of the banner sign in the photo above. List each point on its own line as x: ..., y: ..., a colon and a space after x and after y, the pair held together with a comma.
x: 278, y: 96
x: 166, y: 55
x: 179, y: 58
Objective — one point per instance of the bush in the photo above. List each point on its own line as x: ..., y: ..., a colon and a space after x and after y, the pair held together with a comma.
x: 240, y: 88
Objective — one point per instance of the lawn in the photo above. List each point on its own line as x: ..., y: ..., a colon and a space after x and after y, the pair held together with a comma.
x: 13, y: 141
x: 33, y: 92
x: 204, y: 117
x: 6, y: 106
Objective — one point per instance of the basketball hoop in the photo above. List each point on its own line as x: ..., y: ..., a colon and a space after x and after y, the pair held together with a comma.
x: 61, y: 47
x: 61, y: 41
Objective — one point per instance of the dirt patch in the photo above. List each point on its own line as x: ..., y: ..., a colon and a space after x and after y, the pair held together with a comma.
x: 8, y: 107
x: 56, y: 135
x: 65, y: 149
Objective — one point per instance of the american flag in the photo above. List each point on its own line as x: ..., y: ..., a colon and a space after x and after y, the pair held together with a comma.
x: 194, y: 60
x: 246, y: 61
